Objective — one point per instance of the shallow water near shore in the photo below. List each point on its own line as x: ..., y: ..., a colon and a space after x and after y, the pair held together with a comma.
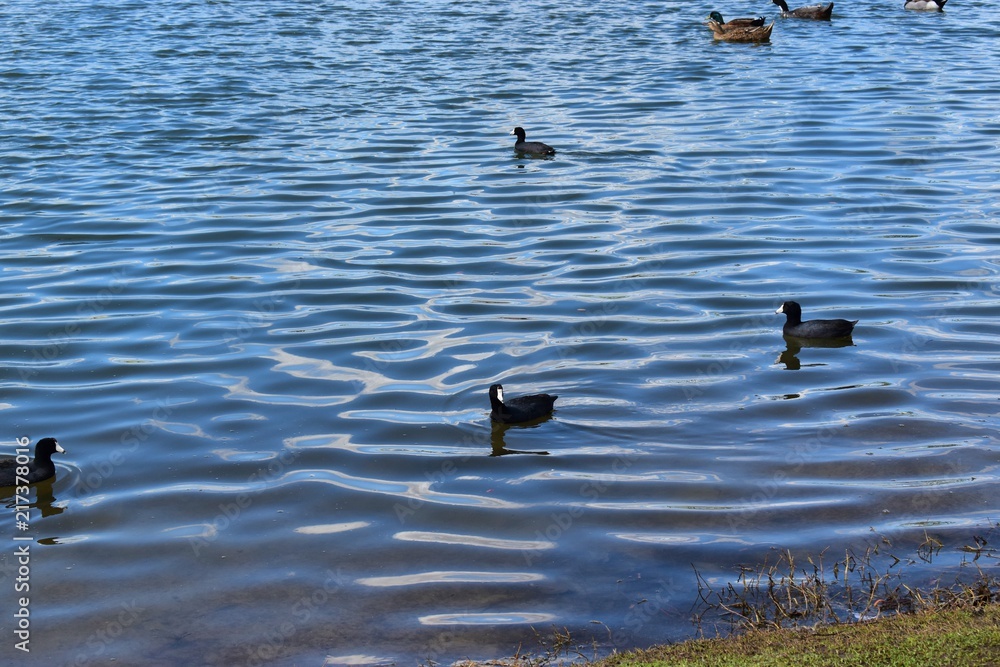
x: 260, y: 264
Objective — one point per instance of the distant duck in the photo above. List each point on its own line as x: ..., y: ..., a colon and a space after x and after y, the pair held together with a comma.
x: 819, y: 12
x: 740, y: 33
x: 520, y: 409
x: 532, y: 147
x: 736, y: 23
x: 39, y: 469
x: 796, y: 328
x: 925, y: 5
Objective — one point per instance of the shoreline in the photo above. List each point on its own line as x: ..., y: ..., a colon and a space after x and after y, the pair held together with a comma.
x: 957, y: 637
x: 860, y: 610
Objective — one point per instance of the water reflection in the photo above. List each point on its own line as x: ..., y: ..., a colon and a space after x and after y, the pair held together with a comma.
x: 499, y: 446
x: 45, y: 499
x: 274, y: 354
x: 790, y: 356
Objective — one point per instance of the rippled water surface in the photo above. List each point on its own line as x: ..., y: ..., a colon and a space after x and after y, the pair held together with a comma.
x: 261, y: 261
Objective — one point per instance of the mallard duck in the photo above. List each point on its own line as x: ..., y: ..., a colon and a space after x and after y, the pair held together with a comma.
x: 532, y: 147
x: 819, y: 12
x: 925, y: 5
x: 736, y: 23
x: 520, y: 409
x: 741, y: 33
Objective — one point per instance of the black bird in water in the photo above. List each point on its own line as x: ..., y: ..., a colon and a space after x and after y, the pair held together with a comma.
x: 520, y: 409
x: 40, y: 469
x: 795, y: 327
x: 533, y: 147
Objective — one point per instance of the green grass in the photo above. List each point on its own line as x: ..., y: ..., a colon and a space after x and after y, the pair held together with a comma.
x: 956, y: 638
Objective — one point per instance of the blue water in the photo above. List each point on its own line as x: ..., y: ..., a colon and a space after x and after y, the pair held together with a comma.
x: 260, y: 262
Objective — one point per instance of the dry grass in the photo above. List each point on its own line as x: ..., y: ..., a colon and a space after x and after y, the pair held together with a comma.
x: 788, y: 593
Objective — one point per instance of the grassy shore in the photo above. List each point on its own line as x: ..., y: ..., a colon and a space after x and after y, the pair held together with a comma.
x: 861, y: 609
x: 967, y: 637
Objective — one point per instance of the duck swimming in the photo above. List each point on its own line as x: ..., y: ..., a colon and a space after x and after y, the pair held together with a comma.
x: 925, y: 5
x: 818, y: 12
x: 740, y: 22
x: 740, y: 33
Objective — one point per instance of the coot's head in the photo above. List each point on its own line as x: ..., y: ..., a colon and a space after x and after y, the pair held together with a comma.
x: 790, y: 308
x: 496, y: 391
x: 519, y: 131
x: 48, y: 447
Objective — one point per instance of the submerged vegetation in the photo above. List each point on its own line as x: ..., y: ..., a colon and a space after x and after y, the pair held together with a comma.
x: 865, y: 607
x: 860, y: 586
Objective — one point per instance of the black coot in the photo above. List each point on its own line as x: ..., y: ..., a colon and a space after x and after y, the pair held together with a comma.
x: 39, y: 469
x: 520, y: 409
x: 794, y: 326
x: 533, y: 147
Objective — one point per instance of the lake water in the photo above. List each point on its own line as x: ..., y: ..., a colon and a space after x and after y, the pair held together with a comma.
x: 261, y: 261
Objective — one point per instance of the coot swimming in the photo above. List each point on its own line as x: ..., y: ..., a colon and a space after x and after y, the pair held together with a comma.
x: 520, y: 409
x: 533, y: 147
x: 794, y: 326
x: 39, y: 469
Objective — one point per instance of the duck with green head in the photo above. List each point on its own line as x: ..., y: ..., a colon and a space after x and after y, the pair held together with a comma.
x: 733, y: 23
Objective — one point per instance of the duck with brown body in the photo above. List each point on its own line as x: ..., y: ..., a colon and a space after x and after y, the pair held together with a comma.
x: 739, y: 33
